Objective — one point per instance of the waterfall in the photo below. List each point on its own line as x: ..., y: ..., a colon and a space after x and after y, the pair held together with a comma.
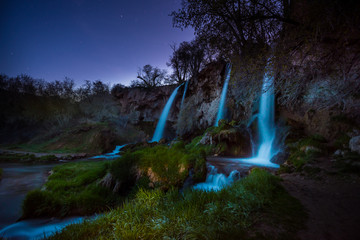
x: 216, y: 181
x: 266, y: 126
x: 113, y: 154
x: 183, y: 96
x: 220, y: 114
x: 266, y: 130
x: 162, y: 121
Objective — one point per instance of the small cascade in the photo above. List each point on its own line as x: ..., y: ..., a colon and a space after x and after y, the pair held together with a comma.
x: 216, y: 181
x: 220, y: 114
x: 113, y: 154
x: 183, y: 96
x: 162, y: 121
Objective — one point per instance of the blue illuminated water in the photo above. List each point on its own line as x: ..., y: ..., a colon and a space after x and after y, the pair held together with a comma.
x: 266, y: 130
x: 183, y: 96
x: 158, y: 134
x: 113, y: 154
x: 221, y: 110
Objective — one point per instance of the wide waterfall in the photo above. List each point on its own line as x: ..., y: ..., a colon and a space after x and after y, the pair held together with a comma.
x: 162, y: 121
x: 220, y: 114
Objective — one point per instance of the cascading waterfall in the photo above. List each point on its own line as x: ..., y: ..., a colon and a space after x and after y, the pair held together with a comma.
x: 183, y: 96
x: 220, y: 114
x: 266, y: 125
x: 162, y: 121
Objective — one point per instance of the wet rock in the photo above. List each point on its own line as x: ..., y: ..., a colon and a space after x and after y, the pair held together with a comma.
x: 206, y: 139
x: 280, y: 158
x: 354, y: 144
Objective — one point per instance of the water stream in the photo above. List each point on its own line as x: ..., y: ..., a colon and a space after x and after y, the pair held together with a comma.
x: 266, y: 130
x: 158, y: 134
x: 184, y: 94
x: 221, y: 109
x: 18, y: 179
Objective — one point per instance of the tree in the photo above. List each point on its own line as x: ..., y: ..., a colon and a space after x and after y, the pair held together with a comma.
x: 233, y: 26
x: 186, y: 61
x: 149, y: 77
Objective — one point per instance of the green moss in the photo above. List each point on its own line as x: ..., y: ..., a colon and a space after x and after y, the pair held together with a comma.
x: 232, y: 213
x: 342, y: 142
x: 72, y: 189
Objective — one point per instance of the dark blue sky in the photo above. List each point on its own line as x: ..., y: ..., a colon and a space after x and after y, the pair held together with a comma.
x: 86, y: 39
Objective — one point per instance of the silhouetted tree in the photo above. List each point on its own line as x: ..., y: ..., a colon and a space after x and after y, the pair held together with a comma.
x: 186, y: 61
x: 149, y: 77
x: 233, y: 26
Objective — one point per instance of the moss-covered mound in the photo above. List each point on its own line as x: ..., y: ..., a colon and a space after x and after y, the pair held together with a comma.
x: 256, y: 207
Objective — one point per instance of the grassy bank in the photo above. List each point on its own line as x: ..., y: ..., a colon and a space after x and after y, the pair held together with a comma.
x: 26, y: 158
x: 256, y: 207
x: 72, y: 189
x: 88, y: 187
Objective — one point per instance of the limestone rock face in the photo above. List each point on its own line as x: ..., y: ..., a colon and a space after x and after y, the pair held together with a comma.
x: 354, y: 144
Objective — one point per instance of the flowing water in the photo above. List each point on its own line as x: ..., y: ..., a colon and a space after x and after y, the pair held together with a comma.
x: 183, y: 96
x: 158, y: 134
x: 221, y: 109
x: 113, y: 154
x: 18, y: 179
x: 266, y: 130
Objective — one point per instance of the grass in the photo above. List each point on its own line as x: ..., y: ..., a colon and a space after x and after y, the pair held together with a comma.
x: 72, y: 189
x: 165, y: 166
x: 245, y: 210
x: 300, y: 155
x: 20, y: 157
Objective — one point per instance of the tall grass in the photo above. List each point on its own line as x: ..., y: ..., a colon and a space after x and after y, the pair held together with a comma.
x: 228, y: 214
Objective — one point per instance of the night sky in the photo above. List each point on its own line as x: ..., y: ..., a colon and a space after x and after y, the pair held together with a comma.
x: 86, y: 39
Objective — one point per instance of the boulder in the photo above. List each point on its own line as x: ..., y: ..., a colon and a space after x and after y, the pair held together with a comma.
x: 280, y: 158
x: 354, y: 144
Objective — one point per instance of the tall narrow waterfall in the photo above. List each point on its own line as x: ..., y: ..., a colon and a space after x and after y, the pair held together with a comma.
x: 220, y: 114
x: 266, y: 126
x: 183, y: 96
x: 162, y: 121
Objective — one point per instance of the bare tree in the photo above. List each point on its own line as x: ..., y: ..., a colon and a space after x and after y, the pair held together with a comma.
x: 149, y: 77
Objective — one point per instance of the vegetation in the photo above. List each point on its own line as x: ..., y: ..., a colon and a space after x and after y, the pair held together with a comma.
x: 72, y: 189
x: 149, y: 77
x: 19, y: 157
x: 303, y: 151
x: 231, y: 213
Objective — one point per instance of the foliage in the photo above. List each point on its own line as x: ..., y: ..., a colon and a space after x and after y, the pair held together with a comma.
x: 233, y: 26
x: 186, y: 61
x: 72, y: 189
x: 303, y: 151
x: 230, y: 214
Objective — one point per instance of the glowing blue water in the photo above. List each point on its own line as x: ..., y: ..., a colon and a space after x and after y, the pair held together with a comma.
x: 37, y: 228
x: 164, y: 115
x: 266, y: 126
x: 220, y: 114
x: 113, y: 154
x: 216, y: 181
x: 183, y: 96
